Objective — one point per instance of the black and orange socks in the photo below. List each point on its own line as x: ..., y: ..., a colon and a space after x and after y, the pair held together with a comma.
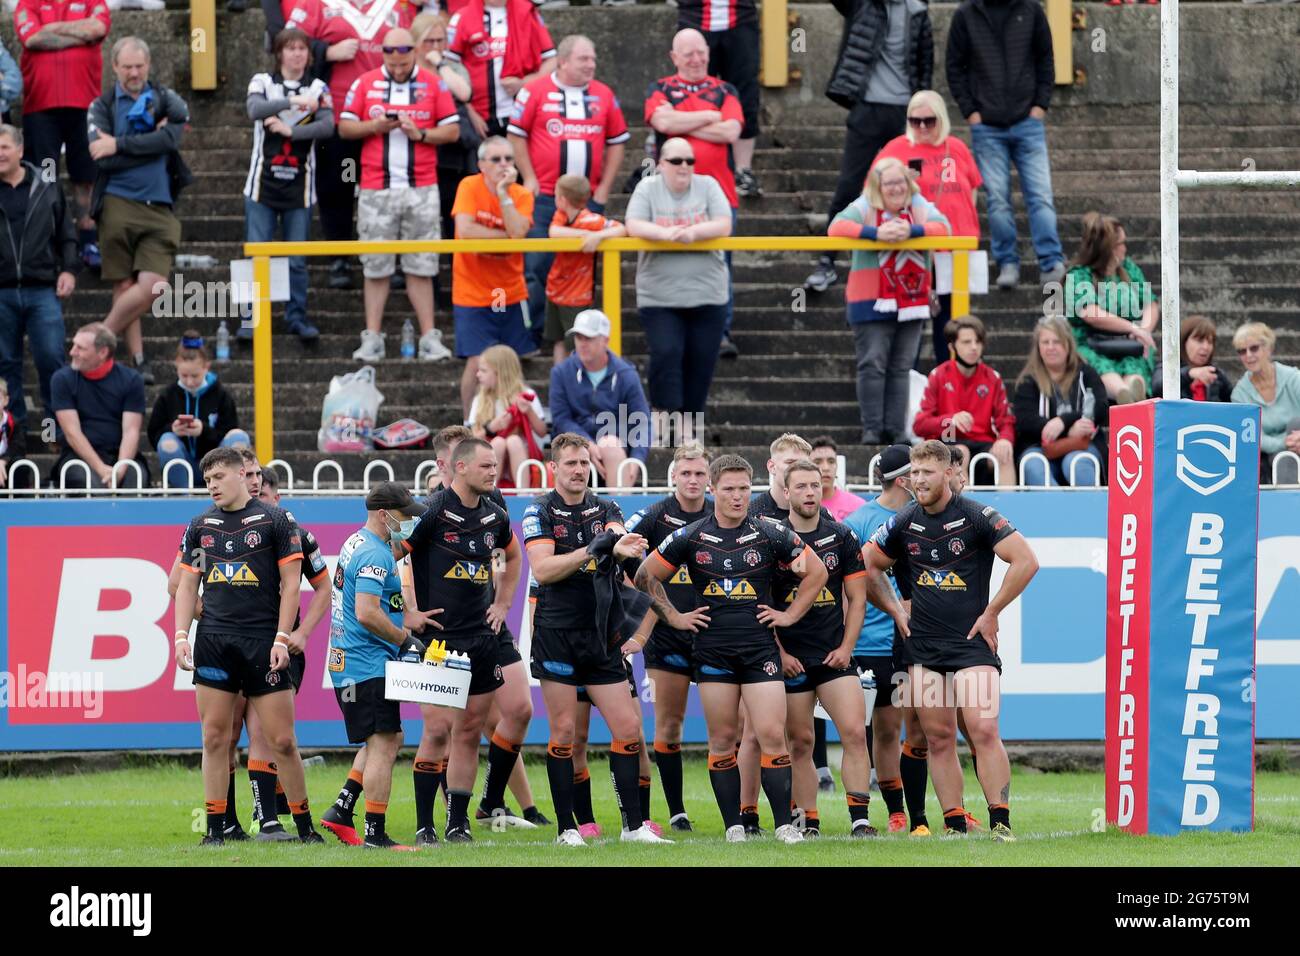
x: 774, y: 775
x: 263, y: 779
x: 582, y: 796
x: 559, y: 771
x: 346, y: 801
x: 913, y: 767
x: 458, y: 809
x: 724, y: 775
x: 216, y: 816
x: 999, y: 813
x: 625, y: 768
x: 892, y: 792
x: 668, y: 758
x: 302, y: 817
x: 427, y: 775
x: 502, y: 755
x: 955, y: 819
x: 644, y: 789
x: 859, y: 804
x: 376, y: 813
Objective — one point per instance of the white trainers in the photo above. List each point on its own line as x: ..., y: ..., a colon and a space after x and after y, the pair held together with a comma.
x: 736, y: 834
x: 789, y: 834
x: 570, y: 838
x: 431, y: 347
x: 642, y: 834
x: 372, y: 347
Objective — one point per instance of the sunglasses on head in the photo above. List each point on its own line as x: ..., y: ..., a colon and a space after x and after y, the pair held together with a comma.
x: 923, y: 122
x: 398, y: 49
x: 678, y: 160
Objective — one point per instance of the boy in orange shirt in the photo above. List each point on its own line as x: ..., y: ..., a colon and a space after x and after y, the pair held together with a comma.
x: 571, y: 284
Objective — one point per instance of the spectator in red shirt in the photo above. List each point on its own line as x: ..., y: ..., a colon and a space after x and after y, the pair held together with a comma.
x: 965, y: 403
x: 947, y: 175
x: 63, y: 66
x: 706, y: 112
x: 505, y: 46
x: 407, y: 111
x: 565, y: 123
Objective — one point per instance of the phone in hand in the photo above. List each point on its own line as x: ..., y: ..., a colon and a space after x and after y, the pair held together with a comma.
x: 915, y: 165
x: 185, y: 418
x: 392, y: 116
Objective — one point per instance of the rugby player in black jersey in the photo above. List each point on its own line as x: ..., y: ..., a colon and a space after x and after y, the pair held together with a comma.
x: 567, y: 652
x: 669, y: 661
x: 248, y: 555
x: 731, y: 558
x: 453, y: 548
x: 817, y: 652
x: 946, y: 544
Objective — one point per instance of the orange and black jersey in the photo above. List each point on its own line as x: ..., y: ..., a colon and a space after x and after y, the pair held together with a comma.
x: 821, y: 630
x: 947, y: 559
x: 570, y: 603
x: 765, y: 506
x: 493, y: 496
x: 731, y: 571
x: 451, y: 551
x: 239, y: 554
x: 656, y: 523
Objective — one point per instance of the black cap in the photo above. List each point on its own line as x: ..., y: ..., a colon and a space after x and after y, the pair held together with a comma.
x: 895, y: 461
x: 390, y: 496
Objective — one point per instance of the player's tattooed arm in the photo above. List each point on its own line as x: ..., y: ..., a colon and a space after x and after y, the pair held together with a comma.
x: 648, y: 582
x: 879, y: 591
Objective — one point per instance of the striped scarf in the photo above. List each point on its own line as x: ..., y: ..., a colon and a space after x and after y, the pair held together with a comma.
x: 904, y: 276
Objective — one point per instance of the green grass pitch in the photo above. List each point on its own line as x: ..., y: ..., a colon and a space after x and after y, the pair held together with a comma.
x: 145, y: 817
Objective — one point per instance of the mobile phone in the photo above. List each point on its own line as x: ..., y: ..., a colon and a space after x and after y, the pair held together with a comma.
x: 915, y: 164
x: 392, y: 116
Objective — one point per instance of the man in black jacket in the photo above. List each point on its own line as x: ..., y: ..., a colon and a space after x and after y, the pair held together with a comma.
x: 1000, y: 73
x: 135, y: 136
x: 38, y: 262
x: 886, y: 55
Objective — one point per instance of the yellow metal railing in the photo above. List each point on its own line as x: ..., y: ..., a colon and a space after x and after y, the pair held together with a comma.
x: 203, y: 44
x: 611, y: 253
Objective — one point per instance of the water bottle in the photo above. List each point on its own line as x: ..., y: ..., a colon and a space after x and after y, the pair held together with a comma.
x: 187, y: 261
x: 316, y: 761
x: 868, y: 680
x: 408, y: 340
x: 1089, y: 405
x: 223, y: 342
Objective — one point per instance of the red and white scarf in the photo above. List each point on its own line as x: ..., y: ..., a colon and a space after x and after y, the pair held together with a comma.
x: 904, y: 273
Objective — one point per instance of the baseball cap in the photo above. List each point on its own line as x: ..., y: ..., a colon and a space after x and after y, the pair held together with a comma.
x: 390, y: 496
x: 895, y: 461
x: 590, y: 322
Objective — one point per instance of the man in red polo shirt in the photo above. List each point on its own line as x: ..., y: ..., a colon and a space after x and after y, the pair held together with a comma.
x: 707, y: 113
x: 505, y: 46
x: 567, y: 123
x: 400, y: 113
x: 63, y: 68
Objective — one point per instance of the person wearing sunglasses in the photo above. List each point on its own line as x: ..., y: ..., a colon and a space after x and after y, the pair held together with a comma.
x: 946, y: 173
x: 1275, y: 388
x: 681, y: 297
x: 1000, y: 72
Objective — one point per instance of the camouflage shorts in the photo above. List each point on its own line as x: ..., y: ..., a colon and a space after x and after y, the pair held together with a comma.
x: 411, y: 213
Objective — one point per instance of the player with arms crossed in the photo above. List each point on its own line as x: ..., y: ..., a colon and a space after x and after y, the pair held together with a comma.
x: 731, y: 559
x: 669, y: 659
x: 249, y: 557
x: 946, y: 544
x: 567, y: 653
x: 817, y: 652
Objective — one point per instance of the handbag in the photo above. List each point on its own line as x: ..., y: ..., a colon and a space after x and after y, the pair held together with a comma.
x: 1115, y: 345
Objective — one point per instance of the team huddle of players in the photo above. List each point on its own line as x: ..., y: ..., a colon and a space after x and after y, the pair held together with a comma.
x: 765, y: 602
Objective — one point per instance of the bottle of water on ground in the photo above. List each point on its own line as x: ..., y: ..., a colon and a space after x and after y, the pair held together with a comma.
x: 223, y: 342
x: 408, y: 341
x: 187, y: 261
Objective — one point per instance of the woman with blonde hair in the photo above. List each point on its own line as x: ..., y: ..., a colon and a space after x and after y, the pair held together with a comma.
x: 945, y: 171
x: 1061, y: 409
x: 1112, y: 310
x: 888, y: 293
x: 1275, y: 388
x: 506, y: 413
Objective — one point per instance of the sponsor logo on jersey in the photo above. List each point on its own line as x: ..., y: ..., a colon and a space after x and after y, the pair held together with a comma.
x: 591, y: 511
x: 489, y: 540
x: 336, y: 661
x: 1001, y: 523
x: 488, y: 520
x: 207, y: 541
x: 452, y: 516
x: 451, y: 537
x: 913, y: 549
x: 943, y: 580
x: 596, y: 528
x: 710, y: 538
x: 472, y: 571
x: 737, y: 589
x: 396, y: 603
x: 682, y: 576
x: 916, y: 527
x: 251, y: 518
x: 769, y: 668
x: 375, y: 572
x: 214, y: 521
x: 589, y: 567
x: 745, y: 539
x: 273, y: 678
x: 953, y: 525
x: 236, y: 573
x: 822, y: 542
x: 703, y: 557
x: 832, y: 561
x: 560, y: 531
x: 678, y: 522
x: 252, y: 539
x: 752, y: 558
x: 956, y: 546
x: 824, y: 597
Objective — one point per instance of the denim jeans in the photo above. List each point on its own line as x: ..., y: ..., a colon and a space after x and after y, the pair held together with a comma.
x: 36, y: 313
x: 1059, y: 472
x: 731, y: 283
x: 295, y: 224
x: 171, y: 447
x: 683, y: 346
x: 537, y: 265
x: 995, y: 150
x: 886, y: 350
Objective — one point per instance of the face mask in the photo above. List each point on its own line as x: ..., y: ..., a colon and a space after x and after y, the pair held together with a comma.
x: 404, y: 529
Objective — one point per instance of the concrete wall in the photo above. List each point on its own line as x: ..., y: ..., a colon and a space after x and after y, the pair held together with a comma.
x: 1230, y: 53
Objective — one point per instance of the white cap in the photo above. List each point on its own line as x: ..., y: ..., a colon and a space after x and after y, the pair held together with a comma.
x: 591, y: 323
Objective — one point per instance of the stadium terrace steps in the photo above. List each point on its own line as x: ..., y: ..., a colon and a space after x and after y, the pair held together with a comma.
x: 1238, y: 263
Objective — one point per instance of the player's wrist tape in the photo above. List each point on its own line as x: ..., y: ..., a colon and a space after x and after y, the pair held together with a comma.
x: 182, y: 636
x: 280, y: 634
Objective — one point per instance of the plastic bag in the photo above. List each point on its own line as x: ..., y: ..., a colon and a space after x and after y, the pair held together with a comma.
x: 347, y: 418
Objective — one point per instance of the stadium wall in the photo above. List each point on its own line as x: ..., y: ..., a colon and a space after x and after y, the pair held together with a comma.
x: 85, y: 594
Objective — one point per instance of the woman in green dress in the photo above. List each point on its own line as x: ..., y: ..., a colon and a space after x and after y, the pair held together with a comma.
x: 1112, y: 309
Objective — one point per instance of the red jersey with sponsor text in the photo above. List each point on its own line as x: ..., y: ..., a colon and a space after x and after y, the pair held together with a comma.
x: 490, y: 50
x: 567, y: 128
x: 56, y: 79
x: 711, y: 93
x: 716, y: 15
x: 393, y: 160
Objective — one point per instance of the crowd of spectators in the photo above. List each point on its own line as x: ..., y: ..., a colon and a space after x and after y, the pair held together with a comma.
x: 475, y: 123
